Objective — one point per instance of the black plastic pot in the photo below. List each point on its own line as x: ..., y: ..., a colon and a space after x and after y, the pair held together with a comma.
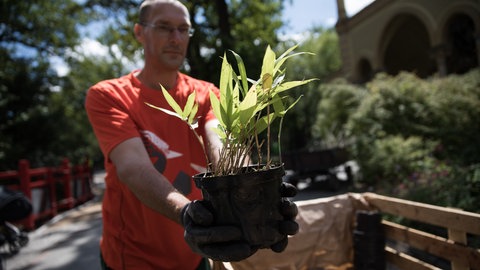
x: 249, y: 200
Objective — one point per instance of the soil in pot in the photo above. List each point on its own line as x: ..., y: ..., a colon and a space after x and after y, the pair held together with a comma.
x: 249, y: 200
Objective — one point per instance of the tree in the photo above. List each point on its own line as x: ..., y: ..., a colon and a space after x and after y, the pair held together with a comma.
x: 24, y: 97
x: 322, y: 65
x: 32, y: 33
x: 33, y: 97
x: 241, y: 26
x: 220, y: 25
x: 39, y: 28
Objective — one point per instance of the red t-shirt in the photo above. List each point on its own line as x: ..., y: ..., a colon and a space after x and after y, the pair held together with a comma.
x: 134, y: 236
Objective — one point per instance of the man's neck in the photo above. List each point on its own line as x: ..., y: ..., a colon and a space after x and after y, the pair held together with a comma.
x: 154, y: 79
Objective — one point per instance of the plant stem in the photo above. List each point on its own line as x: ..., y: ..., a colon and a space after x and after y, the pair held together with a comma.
x: 268, y: 136
x: 209, y: 163
x: 279, y: 140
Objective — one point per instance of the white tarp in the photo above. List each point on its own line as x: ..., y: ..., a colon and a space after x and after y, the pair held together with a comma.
x: 323, y: 242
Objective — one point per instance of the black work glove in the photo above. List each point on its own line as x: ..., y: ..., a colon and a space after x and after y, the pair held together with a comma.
x: 289, y: 211
x: 219, y: 243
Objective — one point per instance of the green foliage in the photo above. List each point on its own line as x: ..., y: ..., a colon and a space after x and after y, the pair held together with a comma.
x: 393, y: 159
x: 339, y: 102
x: 252, y: 31
x: 40, y: 26
x: 298, y: 124
x: 443, y: 110
x: 219, y: 26
x: 115, y: 20
x: 325, y: 45
x: 395, y: 106
x: 445, y: 185
x: 77, y: 138
x: 36, y: 123
x: 412, y: 138
x: 455, y: 103
x: 24, y: 110
x: 240, y: 26
x: 243, y: 111
x: 187, y: 114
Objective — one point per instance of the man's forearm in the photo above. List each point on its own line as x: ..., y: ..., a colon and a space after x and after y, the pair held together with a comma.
x: 154, y: 190
x: 135, y: 170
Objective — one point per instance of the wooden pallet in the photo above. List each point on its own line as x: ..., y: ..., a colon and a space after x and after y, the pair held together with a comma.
x: 455, y: 248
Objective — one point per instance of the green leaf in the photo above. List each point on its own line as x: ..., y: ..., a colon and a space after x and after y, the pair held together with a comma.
x: 282, y: 58
x: 288, y: 85
x: 268, y: 61
x: 268, y: 65
x: 293, y: 104
x: 216, y: 107
x: 189, y: 106
x: 191, y: 119
x: 225, y: 75
x: 220, y: 132
x: 267, y: 81
x: 172, y: 102
x: 247, y: 107
x: 233, y: 100
x: 228, y: 95
x: 279, y: 63
x: 288, y: 51
x: 243, y: 72
x: 278, y: 106
x: 172, y: 113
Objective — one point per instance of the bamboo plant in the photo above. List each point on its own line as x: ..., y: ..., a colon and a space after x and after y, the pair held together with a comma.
x: 245, y: 109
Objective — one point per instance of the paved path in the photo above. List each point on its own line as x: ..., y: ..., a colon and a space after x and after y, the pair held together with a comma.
x: 70, y: 240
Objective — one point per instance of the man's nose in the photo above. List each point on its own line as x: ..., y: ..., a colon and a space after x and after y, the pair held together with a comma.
x: 176, y: 35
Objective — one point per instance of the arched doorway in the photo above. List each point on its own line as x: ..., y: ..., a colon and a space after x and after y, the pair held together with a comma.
x: 461, y: 47
x: 408, y: 47
x: 365, y: 71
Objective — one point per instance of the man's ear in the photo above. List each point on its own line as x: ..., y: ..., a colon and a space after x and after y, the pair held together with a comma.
x: 138, y: 31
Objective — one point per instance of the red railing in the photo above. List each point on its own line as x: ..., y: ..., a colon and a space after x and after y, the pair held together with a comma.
x: 50, y: 189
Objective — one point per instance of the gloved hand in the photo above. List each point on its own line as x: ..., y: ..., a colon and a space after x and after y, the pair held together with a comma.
x: 289, y: 211
x: 219, y: 243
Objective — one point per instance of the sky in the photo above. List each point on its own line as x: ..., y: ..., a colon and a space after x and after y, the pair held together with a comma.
x: 301, y: 15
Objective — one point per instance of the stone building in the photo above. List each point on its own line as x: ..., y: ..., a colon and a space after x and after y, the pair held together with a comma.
x: 426, y: 37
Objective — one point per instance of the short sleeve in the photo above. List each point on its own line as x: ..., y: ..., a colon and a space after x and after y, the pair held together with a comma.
x: 109, y: 118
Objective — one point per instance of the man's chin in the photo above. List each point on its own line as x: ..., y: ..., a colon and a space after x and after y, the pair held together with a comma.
x: 174, y: 64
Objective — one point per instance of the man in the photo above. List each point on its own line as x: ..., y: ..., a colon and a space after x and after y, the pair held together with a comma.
x: 151, y: 156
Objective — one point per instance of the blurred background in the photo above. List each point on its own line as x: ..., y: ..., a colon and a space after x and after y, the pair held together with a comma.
x: 399, y: 86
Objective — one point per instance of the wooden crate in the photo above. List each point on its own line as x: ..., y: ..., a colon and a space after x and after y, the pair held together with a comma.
x: 454, y: 248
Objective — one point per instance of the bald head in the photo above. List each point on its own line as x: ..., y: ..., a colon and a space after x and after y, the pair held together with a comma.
x: 147, y: 5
